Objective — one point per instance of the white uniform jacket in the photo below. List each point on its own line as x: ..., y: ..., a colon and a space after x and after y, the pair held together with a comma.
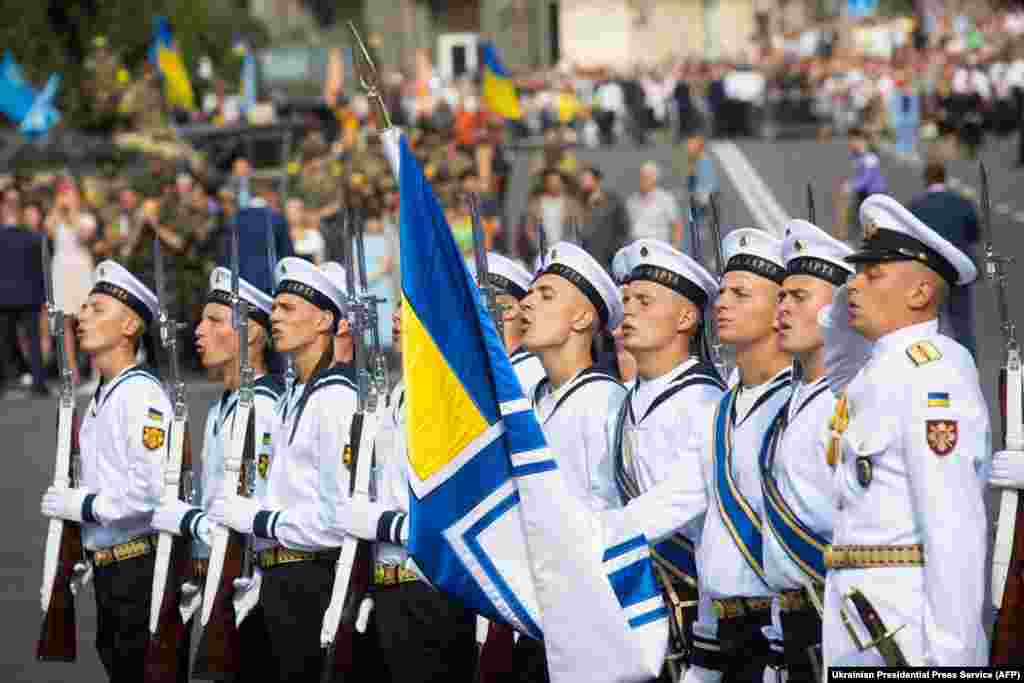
x: 914, y: 458
x: 123, y: 446
x: 576, y: 425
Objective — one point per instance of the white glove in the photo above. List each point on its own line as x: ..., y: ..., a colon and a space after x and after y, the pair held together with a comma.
x: 773, y: 675
x: 1007, y: 470
x: 191, y: 600
x: 81, y: 576
x: 698, y: 674
x: 846, y: 351
x: 66, y: 504
x: 235, y: 512
x: 247, y: 595
x: 168, y: 515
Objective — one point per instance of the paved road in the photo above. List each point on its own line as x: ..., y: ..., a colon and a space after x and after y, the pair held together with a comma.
x: 780, y: 173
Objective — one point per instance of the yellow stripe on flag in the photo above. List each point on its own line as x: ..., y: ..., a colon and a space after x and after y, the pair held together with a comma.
x: 177, y: 87
x: 500, y: 95
x: 441, y: 417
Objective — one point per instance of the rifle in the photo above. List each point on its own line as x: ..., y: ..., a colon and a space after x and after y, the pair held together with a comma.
x: 542, y: 245
x: 219, y: 652
x: 1008, y: 552
x: 353, y: 571
x: 173, y: 553
x: 719, y: 270
x: 58, y: 635
x: 377, y: 365
x: 483, y: 270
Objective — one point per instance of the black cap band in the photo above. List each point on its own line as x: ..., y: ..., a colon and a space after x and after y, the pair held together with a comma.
x: 583, y: 284
x: 757, y: 265
x: 819, y: 268
x: 672, y: 280
x: 219, y: 296
x: 304, y: 291
x: 891, y: 245
x: 502, y: 282
x: 125, y: 297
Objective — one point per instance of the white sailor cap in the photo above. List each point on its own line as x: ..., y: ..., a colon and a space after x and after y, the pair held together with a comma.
x: 505, y: 274
x: 623, y: 263
x: 114, y: 280
x: 581, y: 269
x: 809, y: 250
x: 657, y: 261
x: 303, y: 279
x: 258, y: 300
x: 754, y: 251
x: 893, y: 233
x: 336, y: 272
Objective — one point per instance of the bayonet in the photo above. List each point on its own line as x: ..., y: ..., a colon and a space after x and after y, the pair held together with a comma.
x: 173, y: 553
x: 64, y: 554
x: 542, y: 244
x: 811, y: 213
x: 483, y: 270
x: 368, y: 77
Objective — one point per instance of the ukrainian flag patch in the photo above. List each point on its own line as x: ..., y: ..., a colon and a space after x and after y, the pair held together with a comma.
x: 938, y: 399
x: 155, y: 415
x: 266, y: 438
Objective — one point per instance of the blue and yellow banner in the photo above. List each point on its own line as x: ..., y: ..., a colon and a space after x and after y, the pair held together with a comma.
x: 167, y: 58
x: 498, y: 90
x: 32, y: 111
x: 491, y: 520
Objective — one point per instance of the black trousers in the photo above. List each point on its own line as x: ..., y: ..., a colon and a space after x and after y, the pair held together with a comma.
x: 123, y: 594
x: 802, y: 641
x: 10, y: 318
x: 294, y: 598
x: 257, y: 656
x: 422, y: 636
x: 529, y: 662
x: 745, y: 650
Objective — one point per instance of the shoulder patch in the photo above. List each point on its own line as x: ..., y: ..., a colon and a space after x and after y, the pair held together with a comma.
x: 923, y: 352
x: 152, y: 438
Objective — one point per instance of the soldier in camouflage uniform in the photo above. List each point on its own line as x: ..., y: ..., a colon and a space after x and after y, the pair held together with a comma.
x: 143, y: 103
x: 102, y: 84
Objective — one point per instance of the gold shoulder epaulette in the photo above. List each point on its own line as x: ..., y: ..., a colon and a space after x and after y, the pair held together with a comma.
x: 923, y: 352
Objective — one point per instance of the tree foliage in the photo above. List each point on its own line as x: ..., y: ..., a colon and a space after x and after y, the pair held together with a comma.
x: 48, y: 36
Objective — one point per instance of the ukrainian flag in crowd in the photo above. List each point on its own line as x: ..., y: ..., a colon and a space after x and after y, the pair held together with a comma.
x: 167, y: 58
x: 491, y: 519
x: 499, y: 92
x: 32, y: 111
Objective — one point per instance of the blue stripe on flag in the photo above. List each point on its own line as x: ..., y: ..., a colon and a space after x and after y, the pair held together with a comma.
x: 534, y: 468
x: 648, y: 617
x: 522, y: 433
x: 634, y: 583
x: 485, y: 560
x: 624, y: 547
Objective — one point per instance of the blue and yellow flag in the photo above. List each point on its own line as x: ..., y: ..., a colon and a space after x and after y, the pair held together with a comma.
x: 499, y: 92
x: 491, y: 520
x: 32, y: 111
x: 167, y: 58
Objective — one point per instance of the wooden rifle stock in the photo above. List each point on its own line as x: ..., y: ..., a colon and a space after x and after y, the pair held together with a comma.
x: 58, y: 638
x: 164, y: 663
x: 220, y: 650
x: 1008, y: 631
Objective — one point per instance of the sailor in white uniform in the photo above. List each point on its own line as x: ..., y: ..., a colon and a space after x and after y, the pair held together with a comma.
x: 911, y: 461
x: 217, y: 343
x: 306, y: 510
x: 666, y: 298
x: 569, y: 303
x: 799, y: 511
x: 122, y: 439
x: 735, y: 600
x: 512, y: 282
